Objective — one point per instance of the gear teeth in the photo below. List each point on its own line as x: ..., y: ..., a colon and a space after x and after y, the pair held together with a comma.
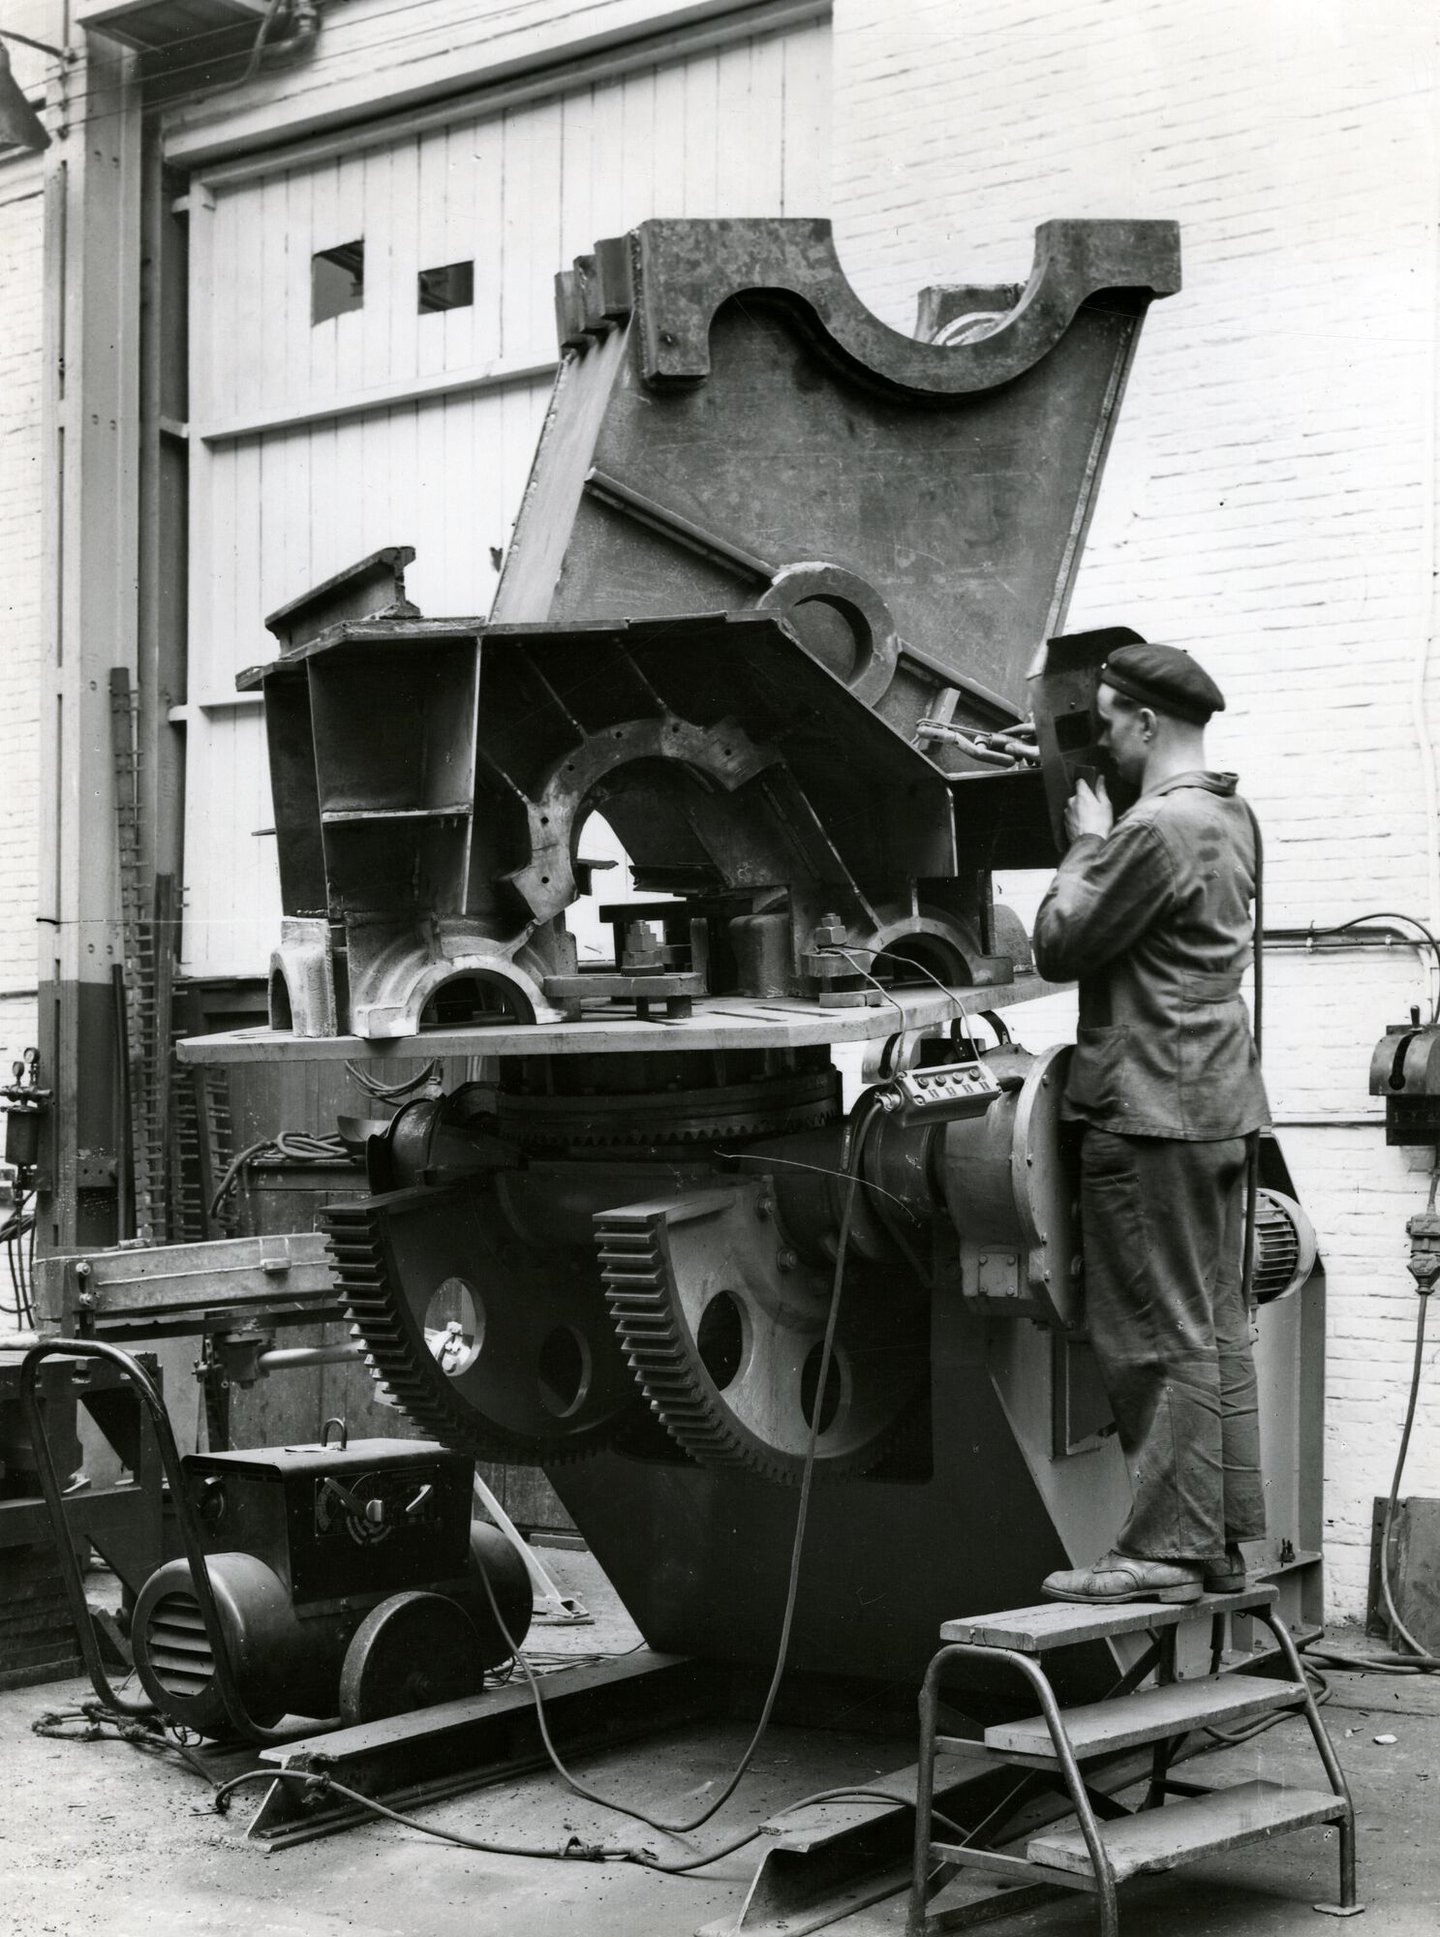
x: 718, y: 1130
x: 636, y: 1274
x: 405, y: 1375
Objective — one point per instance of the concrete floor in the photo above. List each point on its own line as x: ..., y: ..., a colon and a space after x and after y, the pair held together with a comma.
x: 96, y: 1838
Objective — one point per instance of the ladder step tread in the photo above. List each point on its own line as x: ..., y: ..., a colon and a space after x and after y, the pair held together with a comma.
x: 1059, y: 1624
x: 1159, y: 1839
x: 1150, y: 1716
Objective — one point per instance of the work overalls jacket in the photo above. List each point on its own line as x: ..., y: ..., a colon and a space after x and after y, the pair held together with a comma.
x: 1154, y: 922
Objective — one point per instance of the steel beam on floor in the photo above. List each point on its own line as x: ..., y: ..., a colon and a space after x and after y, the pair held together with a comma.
x: 435, y: 1752
x: 855, y: 1855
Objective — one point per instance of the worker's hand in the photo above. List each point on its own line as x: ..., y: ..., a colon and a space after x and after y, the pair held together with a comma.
x: 1088, y: 810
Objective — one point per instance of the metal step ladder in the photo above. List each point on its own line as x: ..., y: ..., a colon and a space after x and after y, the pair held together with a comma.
x: 1176, y: 1821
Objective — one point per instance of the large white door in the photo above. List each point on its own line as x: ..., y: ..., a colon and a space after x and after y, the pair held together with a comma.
x: 409, y: 415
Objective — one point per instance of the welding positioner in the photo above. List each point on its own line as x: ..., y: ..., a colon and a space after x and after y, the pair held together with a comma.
x: 776, y: 587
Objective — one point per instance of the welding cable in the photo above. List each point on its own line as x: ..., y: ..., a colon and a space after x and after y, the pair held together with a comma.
x: 393, y: 1092
x: 835, y: 948
x: 148, y: 1733
x: 1236, y: 1738
x: 859, y: 1792
x: 262, y: 35
x: 1257, y: 1030
x: 820, y: 1170
x: 296, y: 1146
x: 864, y: 1117
x: 572, y: 1851
x: 1423, y: 1659
x: 17, y: 1310
x: 12, y: 1236
x: 1359, y: 921
x: 1418, y: 1658
x: 1384, y: 1661
x: 1418, y: 1661
x: 575, y: 1850
x: 952, y: 995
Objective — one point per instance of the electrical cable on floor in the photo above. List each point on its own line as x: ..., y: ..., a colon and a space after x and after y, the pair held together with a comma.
x: 150, y: 1734
x: 1236, y: 1738
x: 865, y: 1116
x: 572, y: 1851
x: 575, y: 1849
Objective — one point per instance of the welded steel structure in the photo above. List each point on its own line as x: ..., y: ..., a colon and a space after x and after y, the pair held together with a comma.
x: 766, y: 542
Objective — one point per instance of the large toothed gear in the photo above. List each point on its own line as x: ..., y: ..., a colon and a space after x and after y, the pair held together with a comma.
x: 496, y: 1350
x: 777, y: 1105
x: 724, y: 1328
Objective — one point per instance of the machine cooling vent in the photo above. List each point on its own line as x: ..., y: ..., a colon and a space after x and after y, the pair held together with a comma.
x: 178, y: 1646
x: 1284, y: 1246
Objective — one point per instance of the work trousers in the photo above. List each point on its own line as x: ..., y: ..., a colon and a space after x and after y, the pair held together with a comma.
x: 1162, y: 1224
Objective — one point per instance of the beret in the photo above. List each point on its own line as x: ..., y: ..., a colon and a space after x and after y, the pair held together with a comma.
x: 1165, y: 677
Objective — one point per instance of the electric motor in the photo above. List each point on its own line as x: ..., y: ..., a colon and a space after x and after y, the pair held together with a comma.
x: 348, y: 1579
x: 1284, y: 1246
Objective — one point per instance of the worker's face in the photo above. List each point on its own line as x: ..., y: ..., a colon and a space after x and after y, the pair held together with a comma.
x: 1126, y: 731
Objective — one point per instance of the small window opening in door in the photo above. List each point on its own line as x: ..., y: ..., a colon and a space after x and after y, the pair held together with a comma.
x: 337, y: 281
x: 450, y: 287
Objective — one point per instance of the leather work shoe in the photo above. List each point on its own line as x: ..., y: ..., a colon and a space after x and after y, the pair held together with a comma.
x: 1227, y: 1576
x: 1123, y: 1577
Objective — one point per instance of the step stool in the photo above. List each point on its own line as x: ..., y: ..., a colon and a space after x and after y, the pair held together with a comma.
x: 1111, y: 1842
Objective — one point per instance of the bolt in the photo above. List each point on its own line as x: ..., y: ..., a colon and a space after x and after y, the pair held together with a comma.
x: 765, y: 1207
x: 786, y: 1260
x: 82, y: 1269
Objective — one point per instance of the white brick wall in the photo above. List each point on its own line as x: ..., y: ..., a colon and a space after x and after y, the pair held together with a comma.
x: 1271, y: 497
x: 21, y: 510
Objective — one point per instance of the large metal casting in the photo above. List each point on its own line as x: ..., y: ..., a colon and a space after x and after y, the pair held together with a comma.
x: 776, y: 586
x: 765, y: 536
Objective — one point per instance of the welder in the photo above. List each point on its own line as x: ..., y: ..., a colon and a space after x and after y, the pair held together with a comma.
x: 1151, y: 912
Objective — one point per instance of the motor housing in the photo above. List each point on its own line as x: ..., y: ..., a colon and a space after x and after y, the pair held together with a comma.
x: 302, y: 1544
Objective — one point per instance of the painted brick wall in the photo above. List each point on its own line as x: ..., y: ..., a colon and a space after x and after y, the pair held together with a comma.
x: 1270, y: 501
x: 21, y: 508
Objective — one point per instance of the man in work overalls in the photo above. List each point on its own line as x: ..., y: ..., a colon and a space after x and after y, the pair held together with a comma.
x: 1151, y: 913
